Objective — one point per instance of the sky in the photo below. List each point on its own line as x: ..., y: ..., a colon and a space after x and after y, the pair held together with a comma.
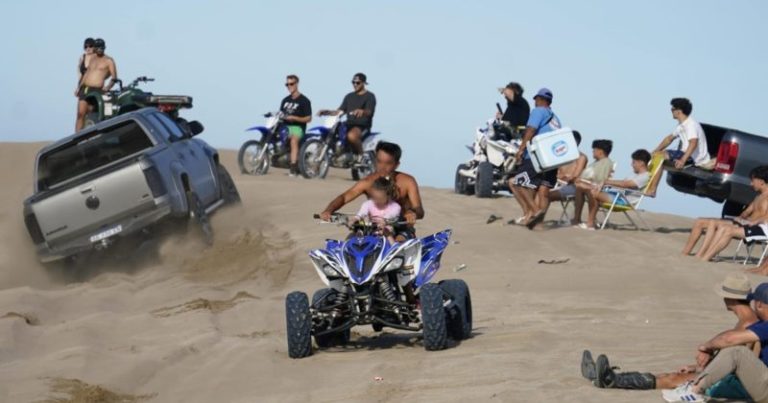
x: 434, y: 66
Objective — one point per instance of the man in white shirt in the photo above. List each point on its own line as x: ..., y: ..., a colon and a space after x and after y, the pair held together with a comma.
x: 693, y: 142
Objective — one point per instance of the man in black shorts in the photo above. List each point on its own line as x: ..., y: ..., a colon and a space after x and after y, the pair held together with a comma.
x: 531, y: 189
x: 360, y: 106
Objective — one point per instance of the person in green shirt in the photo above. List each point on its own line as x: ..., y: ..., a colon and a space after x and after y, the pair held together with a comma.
x: 597, y: 172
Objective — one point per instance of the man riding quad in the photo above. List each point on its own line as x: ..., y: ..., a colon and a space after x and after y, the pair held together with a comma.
x: 407, y: 190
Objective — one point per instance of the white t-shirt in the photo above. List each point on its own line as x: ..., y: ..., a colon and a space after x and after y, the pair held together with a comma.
x: 691, y: 129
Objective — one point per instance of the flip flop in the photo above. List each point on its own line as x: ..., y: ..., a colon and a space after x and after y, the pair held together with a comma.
x: 586, y: 227
x: 537, y: 219
x: 492, y: 218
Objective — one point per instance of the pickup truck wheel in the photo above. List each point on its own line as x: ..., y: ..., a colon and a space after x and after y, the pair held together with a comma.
x: 227, y: 186
x: 732, y: 209
x: 198, y: 214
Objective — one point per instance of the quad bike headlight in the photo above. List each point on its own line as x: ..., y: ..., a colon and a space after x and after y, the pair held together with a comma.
x: 330, y: 271
x: 395, y: 264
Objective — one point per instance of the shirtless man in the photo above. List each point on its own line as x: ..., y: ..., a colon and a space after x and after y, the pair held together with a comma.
x: 387, y: 162
x: 708, y: 227
x: 99, y: 69
x: 735, y: 291
x: 753, y: 229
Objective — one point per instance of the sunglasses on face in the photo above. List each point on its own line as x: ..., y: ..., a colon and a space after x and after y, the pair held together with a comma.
x: 88, y: 47
x: 290, y: 84
x: 357, y: 82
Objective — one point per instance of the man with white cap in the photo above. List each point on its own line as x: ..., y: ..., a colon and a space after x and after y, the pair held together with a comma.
x: 734, y: 290
x: 726, y: 354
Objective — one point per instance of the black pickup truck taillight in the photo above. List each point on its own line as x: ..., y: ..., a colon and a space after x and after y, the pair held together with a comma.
x: 34, y: 229
x: 154, y: 181
x: 726, y: 157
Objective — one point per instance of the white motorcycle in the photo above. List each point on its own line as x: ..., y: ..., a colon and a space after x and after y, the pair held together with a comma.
x: 492, y: 162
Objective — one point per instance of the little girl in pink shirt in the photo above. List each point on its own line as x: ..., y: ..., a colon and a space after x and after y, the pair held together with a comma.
x: 381, y: 207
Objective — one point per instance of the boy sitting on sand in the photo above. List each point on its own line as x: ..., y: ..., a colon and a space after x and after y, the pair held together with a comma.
x: 709, y: 226
x: 755, y: 229
x: 596, y: 195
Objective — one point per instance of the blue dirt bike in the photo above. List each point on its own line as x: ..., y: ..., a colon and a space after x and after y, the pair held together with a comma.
x: 326, y: 146
x: 370, y: 281
x: 273, y: 149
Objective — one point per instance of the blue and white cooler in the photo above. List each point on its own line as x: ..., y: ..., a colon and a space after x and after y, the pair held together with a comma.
x: 554, y: 149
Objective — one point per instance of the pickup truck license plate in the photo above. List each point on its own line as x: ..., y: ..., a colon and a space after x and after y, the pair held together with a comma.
x: 106, y: 234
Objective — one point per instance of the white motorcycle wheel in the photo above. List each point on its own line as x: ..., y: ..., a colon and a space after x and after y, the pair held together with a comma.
x: 311, y: 163
x: 249, y: 161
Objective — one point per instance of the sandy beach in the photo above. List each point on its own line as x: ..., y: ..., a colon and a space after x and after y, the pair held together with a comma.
x: 194, y: 324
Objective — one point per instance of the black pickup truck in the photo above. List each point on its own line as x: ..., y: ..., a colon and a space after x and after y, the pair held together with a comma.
x: 728, y: 183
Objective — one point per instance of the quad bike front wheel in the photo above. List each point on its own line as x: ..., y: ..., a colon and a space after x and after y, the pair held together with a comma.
x: 461, y: 183
x: 484, y: 181
x: 298, y: 321
x: 460, y: 313
x: 433, y: 317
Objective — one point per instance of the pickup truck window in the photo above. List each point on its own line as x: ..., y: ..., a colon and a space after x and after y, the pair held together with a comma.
x: 92, y: 151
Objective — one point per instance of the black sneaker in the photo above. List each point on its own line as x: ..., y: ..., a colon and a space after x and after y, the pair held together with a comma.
x: 294, y: 170
x: 588, y: 369
x: 605, y: 376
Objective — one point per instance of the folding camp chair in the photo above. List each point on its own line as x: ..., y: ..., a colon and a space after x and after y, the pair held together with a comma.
x: 749, y: 248
x: 631, y: 198
x: 566, y: 201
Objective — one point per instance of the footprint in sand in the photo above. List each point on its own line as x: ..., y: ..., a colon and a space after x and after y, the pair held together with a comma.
x: 215, y: 306
x: 28, y: 318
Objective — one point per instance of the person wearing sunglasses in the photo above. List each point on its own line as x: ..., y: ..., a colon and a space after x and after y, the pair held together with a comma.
x: 298, y: 112
x: 99, y: 68
x: 360, y: 106
x: 82, y: 64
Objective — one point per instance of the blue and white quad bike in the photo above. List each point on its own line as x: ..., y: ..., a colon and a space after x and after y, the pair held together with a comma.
x: 326, y: 146
x: 372, y: 281
x: 256, y: 156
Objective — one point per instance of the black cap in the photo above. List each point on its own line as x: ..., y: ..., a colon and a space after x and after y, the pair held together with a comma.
x: 361, y: 77
x: 99, y: 43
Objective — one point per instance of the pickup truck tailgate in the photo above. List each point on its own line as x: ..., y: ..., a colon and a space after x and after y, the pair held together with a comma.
x: 88, y: 209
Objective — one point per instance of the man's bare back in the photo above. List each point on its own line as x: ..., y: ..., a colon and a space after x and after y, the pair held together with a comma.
x: 100, y: 68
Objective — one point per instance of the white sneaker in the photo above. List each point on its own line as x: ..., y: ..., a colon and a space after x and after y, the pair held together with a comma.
x: 682, y: 393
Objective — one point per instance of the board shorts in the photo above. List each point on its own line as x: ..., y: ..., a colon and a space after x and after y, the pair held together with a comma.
x: 525, y: 176
x: 295, y: 130
x: 85, y: 91
x: 621, y: 201
x: 567, y: 191
x: 406, y: 231
x: 755, y: 233
x: 675, y: 155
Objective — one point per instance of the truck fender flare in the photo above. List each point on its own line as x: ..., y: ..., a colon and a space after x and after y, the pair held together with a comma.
x: 180, y: 181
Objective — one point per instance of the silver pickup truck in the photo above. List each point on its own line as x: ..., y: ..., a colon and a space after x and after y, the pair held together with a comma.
x: 119, y: 177
x: 737, y: 153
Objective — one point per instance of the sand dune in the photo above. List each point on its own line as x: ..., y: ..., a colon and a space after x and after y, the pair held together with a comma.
x: 190, y: 324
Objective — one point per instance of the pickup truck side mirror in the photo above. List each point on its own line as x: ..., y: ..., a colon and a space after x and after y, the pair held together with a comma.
x: 195, y: 128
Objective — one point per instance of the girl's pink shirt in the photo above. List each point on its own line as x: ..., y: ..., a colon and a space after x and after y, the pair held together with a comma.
x: 369, y: 209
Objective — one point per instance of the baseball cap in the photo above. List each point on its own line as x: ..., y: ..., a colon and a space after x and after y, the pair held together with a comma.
x: 735, y: 286
x: 544, y: 93
x: 361, y: 77
x: 760, y: 293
